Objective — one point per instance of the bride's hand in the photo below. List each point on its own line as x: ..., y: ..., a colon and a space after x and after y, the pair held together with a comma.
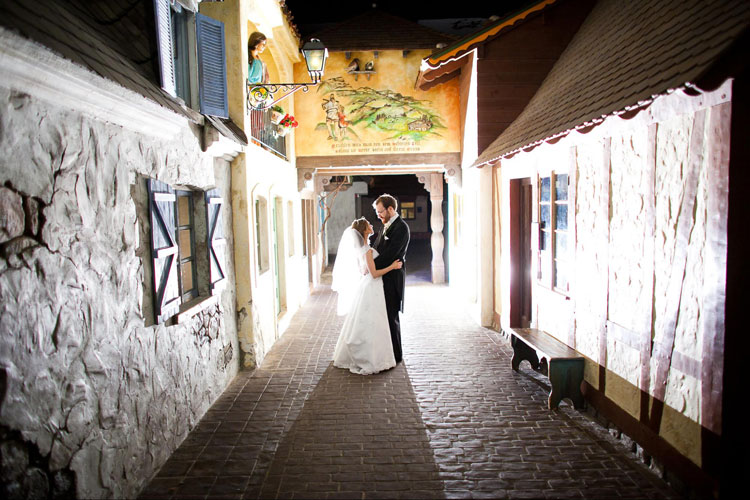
x: 397, y: 264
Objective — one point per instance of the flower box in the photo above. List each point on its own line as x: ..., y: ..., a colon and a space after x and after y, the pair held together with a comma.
x: 276, y: 117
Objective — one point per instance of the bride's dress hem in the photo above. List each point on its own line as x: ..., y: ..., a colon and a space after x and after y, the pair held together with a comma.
x: 359, y: 371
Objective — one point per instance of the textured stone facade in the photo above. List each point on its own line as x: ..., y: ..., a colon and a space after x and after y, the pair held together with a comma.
x: 95, y: 396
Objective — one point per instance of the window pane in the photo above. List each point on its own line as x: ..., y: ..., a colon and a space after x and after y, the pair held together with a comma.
x: 183, y: 210
x: 186, y: 269
x: 561, y: 277
x: 561, y: 216
x: 185, y: 250
x: 544, y: 237
x: 561, y: 244
x: 545, y: 270
x: 561, y: 187
x: 544, y: 216
x: 545, y: 189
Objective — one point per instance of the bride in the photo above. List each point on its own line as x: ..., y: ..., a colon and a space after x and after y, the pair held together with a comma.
x: 364, y: 345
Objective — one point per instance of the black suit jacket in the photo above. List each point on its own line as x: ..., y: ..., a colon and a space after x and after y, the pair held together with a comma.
x: 391, y: 246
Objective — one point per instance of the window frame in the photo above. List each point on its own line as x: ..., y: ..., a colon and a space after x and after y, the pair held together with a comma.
x: 553, y: 262
x: 262, y: 236
x: 200, y: 39
x: 207, y: 249
x: 408, y: 212
x: 189, y: 225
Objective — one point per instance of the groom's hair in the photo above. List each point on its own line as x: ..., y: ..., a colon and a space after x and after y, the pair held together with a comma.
x: 387, y: 201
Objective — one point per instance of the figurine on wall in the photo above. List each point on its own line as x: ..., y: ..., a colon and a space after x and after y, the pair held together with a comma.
x: 257, y: 71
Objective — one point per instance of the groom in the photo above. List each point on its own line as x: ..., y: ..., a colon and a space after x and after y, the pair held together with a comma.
x: 391, y: 244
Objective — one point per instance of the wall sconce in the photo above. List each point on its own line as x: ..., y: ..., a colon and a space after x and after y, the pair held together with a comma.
x: 261, y: 95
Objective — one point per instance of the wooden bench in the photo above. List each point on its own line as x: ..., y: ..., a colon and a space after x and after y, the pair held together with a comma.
x: 560, y: 363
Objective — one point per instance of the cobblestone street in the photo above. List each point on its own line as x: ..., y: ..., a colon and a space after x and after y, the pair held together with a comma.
x: 452, y: 421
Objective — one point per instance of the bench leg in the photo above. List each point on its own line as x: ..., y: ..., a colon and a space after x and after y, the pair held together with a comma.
x: 522, y: 351
x: 565, y: 376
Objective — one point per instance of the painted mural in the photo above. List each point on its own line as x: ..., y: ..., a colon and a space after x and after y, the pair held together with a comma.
x: 376, y: 111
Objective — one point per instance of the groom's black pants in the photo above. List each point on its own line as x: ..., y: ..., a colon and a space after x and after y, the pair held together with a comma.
x: 392, y: 308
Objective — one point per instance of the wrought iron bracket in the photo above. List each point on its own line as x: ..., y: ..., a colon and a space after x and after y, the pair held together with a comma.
x: 260, y: 96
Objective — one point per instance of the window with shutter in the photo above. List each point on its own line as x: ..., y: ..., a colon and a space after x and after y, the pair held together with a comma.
x: 212, y: 69
x: 216, y: 241
x: 163, y: 22
x: 164, y: 250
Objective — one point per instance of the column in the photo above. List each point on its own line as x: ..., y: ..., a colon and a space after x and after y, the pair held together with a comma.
x: 433, y: 183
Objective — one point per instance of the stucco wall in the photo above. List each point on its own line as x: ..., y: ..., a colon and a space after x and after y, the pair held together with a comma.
x: 101, y: 394
x: 260, y: 174
x: 343, y: 213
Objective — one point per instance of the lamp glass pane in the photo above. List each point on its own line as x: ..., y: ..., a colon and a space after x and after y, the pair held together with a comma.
x: 314, y: 59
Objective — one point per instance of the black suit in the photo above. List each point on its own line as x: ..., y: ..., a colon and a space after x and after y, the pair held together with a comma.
x: 391, y: 246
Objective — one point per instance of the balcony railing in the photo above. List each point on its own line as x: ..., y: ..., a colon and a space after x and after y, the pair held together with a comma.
x: 265, y: 133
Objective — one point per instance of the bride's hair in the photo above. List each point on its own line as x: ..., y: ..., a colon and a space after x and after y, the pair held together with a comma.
x: 360, y: 225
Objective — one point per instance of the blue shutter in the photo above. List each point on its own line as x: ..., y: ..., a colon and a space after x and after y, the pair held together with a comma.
x: 163, y: 22
x: 162, y: 206
x: 212, y: 66
x: 216, y: 241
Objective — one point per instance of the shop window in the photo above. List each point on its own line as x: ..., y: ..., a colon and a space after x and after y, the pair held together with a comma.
x: 408, y: 210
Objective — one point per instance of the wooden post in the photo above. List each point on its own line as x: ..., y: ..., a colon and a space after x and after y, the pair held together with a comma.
x: 434, y: 185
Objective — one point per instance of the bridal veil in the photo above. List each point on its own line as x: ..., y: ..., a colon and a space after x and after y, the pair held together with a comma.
x: 348, y: 269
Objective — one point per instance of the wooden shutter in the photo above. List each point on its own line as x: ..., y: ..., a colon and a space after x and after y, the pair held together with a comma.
x: 216, y: 241
x: 163, y: 22
x: 212, y: 67
x: 162, y: 206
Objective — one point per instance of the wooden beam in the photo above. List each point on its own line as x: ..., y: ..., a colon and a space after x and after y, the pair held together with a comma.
x: 685, y: 223
x: 715, y: 266
x: 382, y: 161
x: 645, y: 325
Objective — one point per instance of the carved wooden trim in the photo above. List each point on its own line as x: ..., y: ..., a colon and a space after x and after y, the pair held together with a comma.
x: 305, y: 178
x: 453, y: 176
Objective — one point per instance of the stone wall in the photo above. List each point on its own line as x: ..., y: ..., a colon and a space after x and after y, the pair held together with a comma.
x: 94, y: 396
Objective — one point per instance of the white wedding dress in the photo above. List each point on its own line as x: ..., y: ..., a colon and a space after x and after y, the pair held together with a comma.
x: 364, y: 345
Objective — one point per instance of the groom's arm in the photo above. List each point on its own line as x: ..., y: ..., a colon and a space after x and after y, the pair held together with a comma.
x: 395, y: 248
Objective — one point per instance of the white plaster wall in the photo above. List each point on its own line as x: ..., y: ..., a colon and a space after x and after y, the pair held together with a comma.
x: 590, y: 249
x: 629, y: 292
x: 259, y: 327
x: 343, y: 213
x: 673, y: 149
x: 90, y: 382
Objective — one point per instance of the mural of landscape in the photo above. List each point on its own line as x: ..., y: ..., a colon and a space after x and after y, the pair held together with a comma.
x: 347, y: 110
x: 376, y: 111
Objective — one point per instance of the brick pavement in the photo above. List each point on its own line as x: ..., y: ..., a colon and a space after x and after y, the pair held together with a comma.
x: 452, y: 421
